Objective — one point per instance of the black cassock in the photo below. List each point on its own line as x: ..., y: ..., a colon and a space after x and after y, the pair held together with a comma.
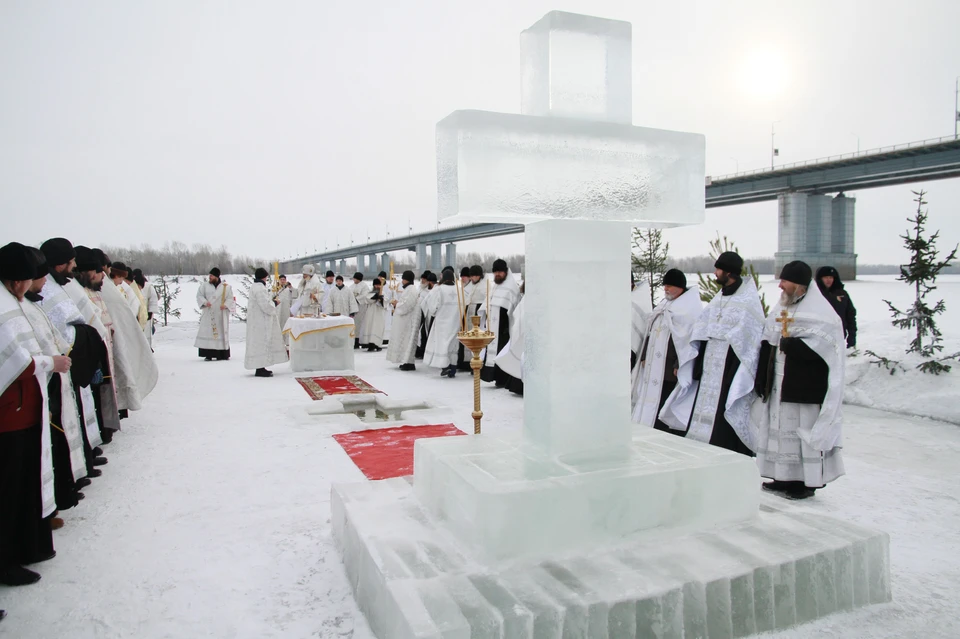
x: 495, y: 373
x: 723, y: 434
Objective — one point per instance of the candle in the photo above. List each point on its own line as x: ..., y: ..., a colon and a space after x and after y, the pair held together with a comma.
x: 460, y: 302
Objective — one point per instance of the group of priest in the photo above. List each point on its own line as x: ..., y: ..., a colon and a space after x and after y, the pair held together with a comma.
x: 768, y: 386
x: 75, y: 358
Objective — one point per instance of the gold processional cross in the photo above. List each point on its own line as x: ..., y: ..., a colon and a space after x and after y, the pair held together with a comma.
x: 784, y: 320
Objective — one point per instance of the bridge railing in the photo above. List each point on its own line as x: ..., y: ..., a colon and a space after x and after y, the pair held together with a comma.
x: 835, y: 158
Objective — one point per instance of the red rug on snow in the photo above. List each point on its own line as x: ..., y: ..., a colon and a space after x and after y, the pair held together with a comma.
x: 383, y: 453
x: 320, y: 387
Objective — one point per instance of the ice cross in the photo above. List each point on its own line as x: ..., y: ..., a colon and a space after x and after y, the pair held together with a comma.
x: 574, y: 168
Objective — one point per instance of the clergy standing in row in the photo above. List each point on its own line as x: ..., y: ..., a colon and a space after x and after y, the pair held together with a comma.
x: 666, y: 345
x: 406, y: 322
x: 800, y: 381
x: 504, y: 297
x: 26, y: 482
x: 443, y: 306
x: 152, y: 301
x: 510, y: 358
x: 715, y: 390
x: 342, y: 300
x: 216, y: 301
x: 264, y: 341
x: 371, y: 334
x: 309, y: 293
x: 327, y: 287
x: 360, y: 290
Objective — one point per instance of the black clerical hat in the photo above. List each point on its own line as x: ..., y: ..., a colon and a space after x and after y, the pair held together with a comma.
x: 329, y: 274
x: 797, y: 272
x: 465, y: 271
x: 499, y: 265
x: 729, y: 262
x: 215, y: 272
x: 408, y: 276
x: 17, y: 262
x: 477, y: 270
x: 358, y: 276
x: 675, y: 277
x: 87, y: 260
x: 39, y: 263
x: 58, y: 250
x: 260, y: 273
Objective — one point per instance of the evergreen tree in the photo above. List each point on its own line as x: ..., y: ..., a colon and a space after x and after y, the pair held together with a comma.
x: 650, y: 258
x: 166, y: 296
x: 922, y: 273
x: 709, y: 286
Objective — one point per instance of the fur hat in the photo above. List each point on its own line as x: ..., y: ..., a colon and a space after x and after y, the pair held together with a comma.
x: 797, y: 272
x: 730, y: 262
x: 499, y: 265
x: 57, y: 251
x: 675, y: 277
x: 309, y: 269
x: 17, y: 262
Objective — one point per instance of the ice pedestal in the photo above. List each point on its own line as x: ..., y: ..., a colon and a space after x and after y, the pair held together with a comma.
x: 503, y: 499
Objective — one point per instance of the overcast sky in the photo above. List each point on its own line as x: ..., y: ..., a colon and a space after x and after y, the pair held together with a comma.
x: 279, y: 127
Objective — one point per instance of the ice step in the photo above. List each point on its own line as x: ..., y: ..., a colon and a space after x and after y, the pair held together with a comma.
x: 412, y: 579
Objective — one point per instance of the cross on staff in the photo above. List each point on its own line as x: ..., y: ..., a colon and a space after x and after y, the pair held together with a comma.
x: 784, y: 320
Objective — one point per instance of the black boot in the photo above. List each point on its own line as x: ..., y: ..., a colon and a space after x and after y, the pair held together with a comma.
x: 18, y: 576
x: 408, y: 367
x: 262, y: 372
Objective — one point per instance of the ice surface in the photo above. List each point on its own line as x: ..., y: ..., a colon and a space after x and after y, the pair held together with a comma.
x: 506, y: 167
x: 577, y: 66
x: 504, y: 499
x: 772, y: 572
x: 576, y: 384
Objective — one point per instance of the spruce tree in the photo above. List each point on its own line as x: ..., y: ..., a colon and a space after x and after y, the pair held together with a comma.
x: 709, y: 286
x: 650, y: 258
x: 922, y: 273
x: 166, y: 296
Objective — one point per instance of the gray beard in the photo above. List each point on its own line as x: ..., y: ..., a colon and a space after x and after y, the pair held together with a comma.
x: 786, y: 299
x: 669, y: 297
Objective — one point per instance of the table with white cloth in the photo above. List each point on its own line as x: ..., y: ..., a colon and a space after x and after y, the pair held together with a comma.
x: 320, y: 343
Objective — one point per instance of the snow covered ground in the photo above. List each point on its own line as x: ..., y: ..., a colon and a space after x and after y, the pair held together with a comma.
x: 212, y: 518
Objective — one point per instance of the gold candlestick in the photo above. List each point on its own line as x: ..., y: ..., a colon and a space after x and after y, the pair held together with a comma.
x: 476, y: 340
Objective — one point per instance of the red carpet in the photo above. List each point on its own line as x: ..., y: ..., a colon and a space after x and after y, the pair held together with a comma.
x: 320, y: 387
x: 388, y: 452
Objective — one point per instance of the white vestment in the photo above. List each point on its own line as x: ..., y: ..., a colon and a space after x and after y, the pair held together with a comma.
x: 640, y: 318
x: 502, y: 296
x: 406, y: 322
x: 285, y: 297
x: 342, y: 301
x: 326, y: 299
x: 473, y: 297
x: 135, y: 371
x: 510, y: 358
x: 65, y: 316
x: 669, y: 320
x: 359, y: 290
x: 372, y: 331
x: 109, y: 402
x: 802, y: 442
x: 88, y: 310
x: 728, y: 322
x: 18, y: 347
x: 444, y: 307
x: 426, y: 304
x: 130, y: 297
x: 388, y: 296
x: 153, y: 307
x: 214, y: 333
x: 309, y: 296
x: 264, y: 341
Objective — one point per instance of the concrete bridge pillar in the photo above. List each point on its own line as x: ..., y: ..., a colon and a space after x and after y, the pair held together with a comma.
x: 436, y: 262
x: 385, y: 263
x: 818, y: 230
x: 371, y: 270
x: 343, y: 270
x: 451, y: 255
x: 421, y: 259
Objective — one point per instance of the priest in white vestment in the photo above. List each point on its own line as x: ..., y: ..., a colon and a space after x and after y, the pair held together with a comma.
x: 139, y: 303
x: 360, y: 289
x: 83, y: 342
x: 152, y: 301
x: 285, y: 298
x: 371, y: 336
x: 504, y: 297
x: 264, y: 342
x: 715, y: 390
x: 444, y: 308
x: 800, y: 381
x: 510, y: 359
x: 667, y: 342
x: 136, y: 371
x: 428, y: 282
x: 309, y: 293
x: 641, y: 308
x: 216, y: 301
x: 406, y: 321
x: 389, y: 294
x: 326, y: 288
x: 342, y: 300
x: 27, y: 494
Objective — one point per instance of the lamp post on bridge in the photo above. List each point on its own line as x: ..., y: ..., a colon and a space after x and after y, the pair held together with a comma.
x: 956, y: 106
x: 857, y: 135
x: 774, y: 151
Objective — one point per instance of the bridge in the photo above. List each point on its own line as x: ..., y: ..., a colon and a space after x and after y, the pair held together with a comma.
x: 813, y: 226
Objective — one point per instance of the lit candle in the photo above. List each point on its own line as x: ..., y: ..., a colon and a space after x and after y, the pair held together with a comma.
x: 460, y: 302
